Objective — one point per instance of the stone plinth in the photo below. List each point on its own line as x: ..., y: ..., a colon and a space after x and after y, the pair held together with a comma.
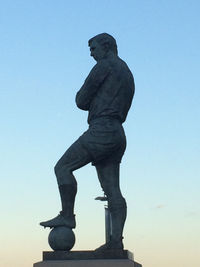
x: 111, y: 258
x: 111, y: 254
x: 87, y: 263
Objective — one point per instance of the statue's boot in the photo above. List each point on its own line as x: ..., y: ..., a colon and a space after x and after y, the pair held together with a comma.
x: 60, y: 220
x: 112, y: 244
x: 118, y: 217
x: 66, y: 216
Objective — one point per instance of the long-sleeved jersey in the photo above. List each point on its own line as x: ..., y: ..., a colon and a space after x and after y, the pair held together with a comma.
x: 108, y: 90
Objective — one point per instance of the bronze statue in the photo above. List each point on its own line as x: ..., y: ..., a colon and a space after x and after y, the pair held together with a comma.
x: 107, y: 95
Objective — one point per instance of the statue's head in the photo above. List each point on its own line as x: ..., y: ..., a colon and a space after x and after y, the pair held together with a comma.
x: 102, y: 45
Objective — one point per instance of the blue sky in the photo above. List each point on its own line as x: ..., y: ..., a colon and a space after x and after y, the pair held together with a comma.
x: 44, y: 59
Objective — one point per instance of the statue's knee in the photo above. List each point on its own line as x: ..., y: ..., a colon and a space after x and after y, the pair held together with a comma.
x: 64, y: 175
x: 61, y: 169
x: 56, y: 168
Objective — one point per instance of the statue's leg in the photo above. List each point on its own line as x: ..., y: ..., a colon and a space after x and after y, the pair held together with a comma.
x: 74, y: 158
x: 108, y: 174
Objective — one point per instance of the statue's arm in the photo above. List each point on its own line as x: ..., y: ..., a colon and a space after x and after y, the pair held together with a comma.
x: 91, y: 85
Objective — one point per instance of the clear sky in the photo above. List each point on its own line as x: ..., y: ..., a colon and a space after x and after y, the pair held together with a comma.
x: 44, y: 59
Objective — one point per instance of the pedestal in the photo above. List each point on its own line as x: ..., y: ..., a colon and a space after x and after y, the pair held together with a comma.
x: 87, y: 263
x: 112, y: 258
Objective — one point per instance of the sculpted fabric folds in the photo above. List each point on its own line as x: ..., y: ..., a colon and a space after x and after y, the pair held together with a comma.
x: 104, y: 140
x: 108, y: 90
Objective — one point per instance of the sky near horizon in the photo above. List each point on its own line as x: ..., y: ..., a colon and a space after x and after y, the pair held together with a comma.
x: 44, y: 59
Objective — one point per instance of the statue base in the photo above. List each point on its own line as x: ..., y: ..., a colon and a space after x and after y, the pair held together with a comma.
x: 111, y: 258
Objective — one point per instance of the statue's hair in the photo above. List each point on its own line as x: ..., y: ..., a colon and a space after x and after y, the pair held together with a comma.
x: 105, y: 38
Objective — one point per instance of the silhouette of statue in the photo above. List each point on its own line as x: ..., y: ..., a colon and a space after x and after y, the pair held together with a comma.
x: 107, y: 95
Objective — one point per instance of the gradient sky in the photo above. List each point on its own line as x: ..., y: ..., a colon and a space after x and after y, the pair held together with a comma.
x: 44, y: 59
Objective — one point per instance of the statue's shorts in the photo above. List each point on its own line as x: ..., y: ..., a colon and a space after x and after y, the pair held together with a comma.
x: 104, y: 141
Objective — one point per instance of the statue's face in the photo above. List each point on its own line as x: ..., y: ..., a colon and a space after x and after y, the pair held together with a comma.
x: 97, y: 51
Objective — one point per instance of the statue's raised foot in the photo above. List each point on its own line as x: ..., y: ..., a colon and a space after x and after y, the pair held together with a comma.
x: 112, y: 244
x: 60, y: 220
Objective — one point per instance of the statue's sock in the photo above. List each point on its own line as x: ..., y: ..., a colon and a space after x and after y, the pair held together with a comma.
x: 67, y: 195
x: 118, y: 215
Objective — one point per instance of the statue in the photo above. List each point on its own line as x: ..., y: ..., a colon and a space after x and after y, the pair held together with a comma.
x: 107, y: 95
